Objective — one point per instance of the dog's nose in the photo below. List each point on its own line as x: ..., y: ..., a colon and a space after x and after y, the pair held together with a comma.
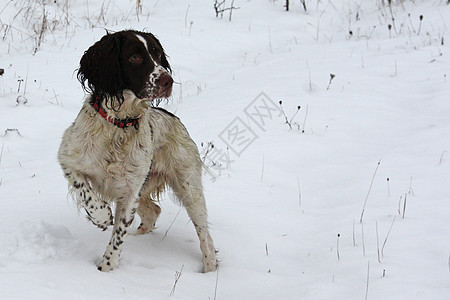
x: 165, y: 81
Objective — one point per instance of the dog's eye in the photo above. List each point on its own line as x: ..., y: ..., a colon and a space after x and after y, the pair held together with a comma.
x: 136, y: 59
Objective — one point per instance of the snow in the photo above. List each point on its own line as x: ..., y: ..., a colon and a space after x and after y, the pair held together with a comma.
x: 285, y: 211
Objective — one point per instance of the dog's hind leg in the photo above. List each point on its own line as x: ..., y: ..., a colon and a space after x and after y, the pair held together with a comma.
x: 149, y: 212
x: 98, y: 211
x: 189, y: 191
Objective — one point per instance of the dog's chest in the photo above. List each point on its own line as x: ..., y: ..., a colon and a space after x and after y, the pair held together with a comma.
x: 126, y: 155
x: 117, y: 161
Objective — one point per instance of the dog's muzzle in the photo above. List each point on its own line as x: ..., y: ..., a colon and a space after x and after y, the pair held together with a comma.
x: 158, y: 85
x: 165, y: 82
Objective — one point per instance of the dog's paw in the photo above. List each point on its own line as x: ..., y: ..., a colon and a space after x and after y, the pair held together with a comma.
x: 105, y: 268
x: 209, y: 264
x: 108, y: 264
x: 143, y: 229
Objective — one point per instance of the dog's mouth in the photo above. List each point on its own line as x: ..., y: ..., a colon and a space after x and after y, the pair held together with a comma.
x: 161, y: 94
x: 165, y: 92
x: 162, y: 88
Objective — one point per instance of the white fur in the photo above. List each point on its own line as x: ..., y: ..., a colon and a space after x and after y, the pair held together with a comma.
x: 142, y: 40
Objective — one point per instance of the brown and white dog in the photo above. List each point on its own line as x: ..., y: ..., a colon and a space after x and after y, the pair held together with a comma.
x: 121, y: 149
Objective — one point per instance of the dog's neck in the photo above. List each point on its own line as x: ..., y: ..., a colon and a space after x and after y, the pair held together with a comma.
x: 130, y: 106
x: 121, y: 114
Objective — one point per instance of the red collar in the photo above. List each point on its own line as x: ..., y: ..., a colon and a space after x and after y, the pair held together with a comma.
x: 121, y: 123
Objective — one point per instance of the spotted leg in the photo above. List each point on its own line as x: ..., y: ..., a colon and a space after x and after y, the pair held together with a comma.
x: 125, y: 211
x: 98, y: 211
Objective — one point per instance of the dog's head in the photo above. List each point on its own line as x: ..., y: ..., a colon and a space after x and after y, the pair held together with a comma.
x: 123, y: 60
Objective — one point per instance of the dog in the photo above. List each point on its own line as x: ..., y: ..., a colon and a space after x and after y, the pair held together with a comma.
x: 120, y: 149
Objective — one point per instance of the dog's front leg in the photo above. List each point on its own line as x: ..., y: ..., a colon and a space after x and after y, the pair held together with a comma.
x: 124, y: 216
x: 98, y: 211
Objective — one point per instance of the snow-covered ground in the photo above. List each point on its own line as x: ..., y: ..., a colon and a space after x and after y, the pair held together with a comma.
x: 284, y: 204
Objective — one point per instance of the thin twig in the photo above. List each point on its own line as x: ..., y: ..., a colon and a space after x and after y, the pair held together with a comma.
x: 209, y: 147
x: 331, y: 79
x: 442, y: 156
x: 385, y: 240
x: 392, y: 17
x: 399, y: 205
x: 186, y: 15
x: 367, y: 281
x: 449, y: 263
x: 170, y: 226
x: 284, y: 114
x: 368, y: 192
x: 217, y: 282
x: 289, y: 122
x: 362, y: 237
x: 296, y: 112
x: 410, y: 22
x: 410, y: 190
x: 190, y: 27
x: 309, y: 74
x: 304, y: 120
x: 378, y: 243
x: 388, y: 188
x: 177, y: 277
x: 404, y: 207
x: 354, y: 241
x: 1, y: 153
x: 420, y: 24
x: 231, y: 10
x: 337, y: 246
x: 26, y: 81
x: 304, y: 4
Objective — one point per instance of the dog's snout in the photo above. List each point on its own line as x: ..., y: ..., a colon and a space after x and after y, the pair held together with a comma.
x: 165, y: 81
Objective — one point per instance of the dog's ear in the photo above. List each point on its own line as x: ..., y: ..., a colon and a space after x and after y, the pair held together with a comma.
x: 100, y: 70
